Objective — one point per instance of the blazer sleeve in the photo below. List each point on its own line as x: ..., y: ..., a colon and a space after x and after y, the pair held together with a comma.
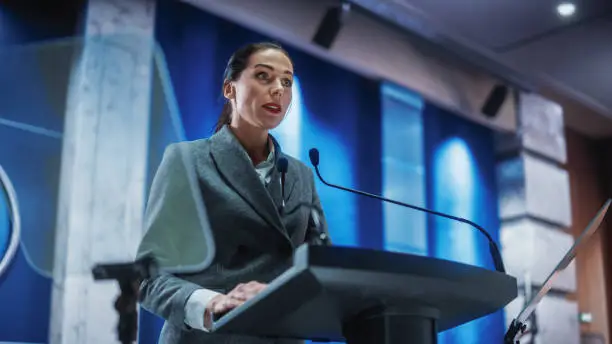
x: 316, y: 202
x: 166, y: 295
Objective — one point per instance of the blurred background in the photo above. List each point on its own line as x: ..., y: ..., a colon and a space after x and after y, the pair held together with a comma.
x: 495, y: 111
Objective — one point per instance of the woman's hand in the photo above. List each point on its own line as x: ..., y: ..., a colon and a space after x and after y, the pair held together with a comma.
x: 222, y: 304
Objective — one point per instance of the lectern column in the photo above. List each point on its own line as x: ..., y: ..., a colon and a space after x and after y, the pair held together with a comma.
x: 391, y: 327
x: 103, y: 166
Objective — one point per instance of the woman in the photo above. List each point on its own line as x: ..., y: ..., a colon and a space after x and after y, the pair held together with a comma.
x: 257, y: 217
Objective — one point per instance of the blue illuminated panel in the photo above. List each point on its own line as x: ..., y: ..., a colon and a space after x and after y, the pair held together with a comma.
x: 403, y: 176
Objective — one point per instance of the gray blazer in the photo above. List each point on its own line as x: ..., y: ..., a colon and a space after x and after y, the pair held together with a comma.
x: 253, y: 240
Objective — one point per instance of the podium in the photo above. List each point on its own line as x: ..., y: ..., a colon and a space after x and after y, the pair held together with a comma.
x: 364, y: 296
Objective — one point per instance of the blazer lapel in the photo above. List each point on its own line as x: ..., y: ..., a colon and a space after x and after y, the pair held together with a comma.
x: 236, y: 167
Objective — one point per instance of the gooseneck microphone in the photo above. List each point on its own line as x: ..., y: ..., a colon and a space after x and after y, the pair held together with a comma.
x: 493, y: 249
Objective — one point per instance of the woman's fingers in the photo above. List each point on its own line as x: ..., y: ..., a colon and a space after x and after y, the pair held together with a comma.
x: 226, y: 304
x: 259, y: 286
x: 249, y: 289
x: 235, y: 298
x: 240, y: 296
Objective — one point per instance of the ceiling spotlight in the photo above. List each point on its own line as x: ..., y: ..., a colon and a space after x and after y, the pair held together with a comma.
x: 566, y: 9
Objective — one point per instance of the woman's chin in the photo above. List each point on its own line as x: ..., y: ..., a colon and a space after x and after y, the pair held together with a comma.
x: 271, y: 121
x: 270, y: 126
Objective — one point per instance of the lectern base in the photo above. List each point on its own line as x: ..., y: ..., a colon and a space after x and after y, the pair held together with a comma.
x: 391, y: 327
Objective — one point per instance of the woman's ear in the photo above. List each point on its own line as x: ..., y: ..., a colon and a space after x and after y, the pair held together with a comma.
x: 229, y: 91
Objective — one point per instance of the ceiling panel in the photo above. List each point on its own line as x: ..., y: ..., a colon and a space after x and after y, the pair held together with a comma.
x: 580, y: 58
x: 500, y: 23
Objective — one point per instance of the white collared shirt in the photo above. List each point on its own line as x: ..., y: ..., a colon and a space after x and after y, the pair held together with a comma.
x: 265, y: 168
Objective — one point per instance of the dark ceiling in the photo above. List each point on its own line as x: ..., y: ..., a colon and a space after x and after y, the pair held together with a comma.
x: 502, y: 25
x: 38, y: 20
x: 572, y: 55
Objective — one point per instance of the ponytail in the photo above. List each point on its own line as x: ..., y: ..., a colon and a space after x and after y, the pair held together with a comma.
x: 225, y: 117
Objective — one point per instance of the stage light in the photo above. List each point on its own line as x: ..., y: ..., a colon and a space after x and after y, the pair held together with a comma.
x: 566, y: 9
x: 495, y: 100
x: 330, y: 25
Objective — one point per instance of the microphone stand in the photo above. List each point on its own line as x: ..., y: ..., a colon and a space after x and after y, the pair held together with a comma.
x: 515, y: 328
x: 533, y: 326
x: 129, y: 276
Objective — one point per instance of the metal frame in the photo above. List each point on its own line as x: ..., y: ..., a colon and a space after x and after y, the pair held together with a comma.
x: 5, y: 183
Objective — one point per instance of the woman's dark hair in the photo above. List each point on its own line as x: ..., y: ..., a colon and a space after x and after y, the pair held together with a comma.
x: 237, y: 63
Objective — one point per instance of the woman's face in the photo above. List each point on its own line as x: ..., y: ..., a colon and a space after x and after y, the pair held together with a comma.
x: 262, y: 93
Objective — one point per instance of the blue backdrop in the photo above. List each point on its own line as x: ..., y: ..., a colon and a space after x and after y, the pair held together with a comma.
x: 377, y: 137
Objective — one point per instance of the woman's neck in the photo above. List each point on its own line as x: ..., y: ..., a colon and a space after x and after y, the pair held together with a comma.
x: 254, y: 140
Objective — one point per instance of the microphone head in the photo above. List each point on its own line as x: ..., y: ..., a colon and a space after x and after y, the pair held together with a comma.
x: 313, y: 154
x: 282, y: 165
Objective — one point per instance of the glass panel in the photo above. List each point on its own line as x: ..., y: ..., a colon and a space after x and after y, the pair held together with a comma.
x: 69, y: 119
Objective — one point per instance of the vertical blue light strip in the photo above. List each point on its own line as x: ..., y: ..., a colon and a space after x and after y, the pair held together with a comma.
x: 454, y: 180
x: 336, y: 164
x: 340, y: 206
x: 300, y: 131
x: 460, y: 179
x: 403, y: 176
x: 289, y: 132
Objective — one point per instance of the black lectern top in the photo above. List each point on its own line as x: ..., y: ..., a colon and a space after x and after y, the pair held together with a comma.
x: 328, y: 287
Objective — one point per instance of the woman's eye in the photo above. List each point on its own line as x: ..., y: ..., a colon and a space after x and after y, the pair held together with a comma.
x: 287, y: 83
x: 262, y: 75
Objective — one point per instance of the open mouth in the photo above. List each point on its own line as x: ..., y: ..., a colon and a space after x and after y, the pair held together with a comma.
x: 272, y: 107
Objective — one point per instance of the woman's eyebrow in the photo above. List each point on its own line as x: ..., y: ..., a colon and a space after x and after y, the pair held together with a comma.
x: 271, y: 68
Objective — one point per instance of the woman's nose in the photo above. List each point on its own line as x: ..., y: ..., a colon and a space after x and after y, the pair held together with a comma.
x: 277, y: 89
